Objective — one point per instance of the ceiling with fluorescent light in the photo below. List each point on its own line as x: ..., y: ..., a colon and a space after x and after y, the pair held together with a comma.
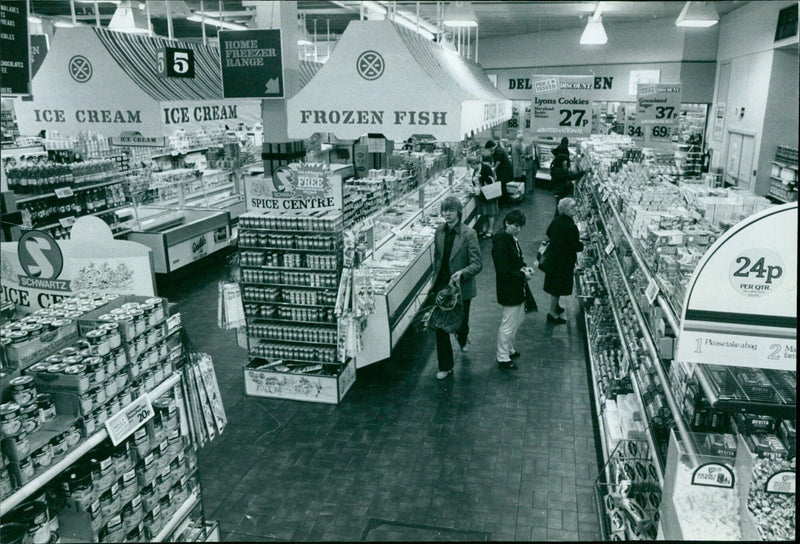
x: 495, y: 18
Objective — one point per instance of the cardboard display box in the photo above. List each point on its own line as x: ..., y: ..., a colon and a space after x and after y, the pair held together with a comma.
x: 284, y: 385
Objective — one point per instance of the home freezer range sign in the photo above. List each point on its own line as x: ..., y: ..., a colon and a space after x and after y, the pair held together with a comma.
x: 309, y: 186
x: 562, y: 105
x: 38, y: 271
x: 741, y: 303
x: 252, y: 63
x: 15, y: 63
x: 657, y: 108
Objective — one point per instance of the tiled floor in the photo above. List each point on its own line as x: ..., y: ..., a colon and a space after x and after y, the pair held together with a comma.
x: 484, y: 455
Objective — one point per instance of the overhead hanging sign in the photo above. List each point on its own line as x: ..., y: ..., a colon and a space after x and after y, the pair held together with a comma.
x: 562, y: 105
x: 658, y: 106
x: 741, y: 303
x: 632, y: 126
x: 15, y: 62
x: 308, y: 186
x: 40, y: 44
x: 39, y: 271
x: 252, y: 63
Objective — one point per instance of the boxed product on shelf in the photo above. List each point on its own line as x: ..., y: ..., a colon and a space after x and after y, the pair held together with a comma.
x: 31, y: 342
x: 261, y: 380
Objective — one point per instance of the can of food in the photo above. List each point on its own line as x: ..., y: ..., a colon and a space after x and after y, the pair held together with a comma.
x: 59, y: 444
x: 114, y: 335
x: 43, y: 457
x: 86, y: 401
x: 6, y: 488
x: 127, y: 327
x: 110, y: 503
x: 152, y: 338
x: 34, y: 330
x: 20, y: 443
x: 163, y: 351
x: 139, y: 321
x: 98, y: 342
x: 174, y: 441
x: 100, y: 396
x: 111, y: 387
x: 137, y: 534
x: 146, y: 471
x: 10, y: 421
x: 125, y: 398
x: 29, y: 415
x: 72, y: 435
x: 141, y: 441
x: 114, y: 405
x: 81, y: 374
x: 167, y: 411
x: 102, y: 415
x: 141, y: 344
x: 114, y: 529
x: 33, y: 515
x: 120, y: 357
x: 152, y: 520
x: 129, y: 487
x: 137, y: 510
x: 23, y: 390
x: 158, y: 306
x: 162, y: 486
x: 95, y: 515
x: 148, y: 495
x: 122, y: 457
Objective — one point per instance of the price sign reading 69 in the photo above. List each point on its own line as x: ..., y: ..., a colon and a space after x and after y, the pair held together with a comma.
x: 658, y: 106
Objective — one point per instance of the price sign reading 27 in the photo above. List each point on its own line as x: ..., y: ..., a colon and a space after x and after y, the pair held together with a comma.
x: 573, y: 118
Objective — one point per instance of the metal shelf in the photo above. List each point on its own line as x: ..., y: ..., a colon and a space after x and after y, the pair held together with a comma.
x: 300, y: 342
x: 292, y: 269
x: 323, y: 251
x: 326, y: 233
x: 74, y: 190
x: 289, y: 286
x: 180, y: 515
x: 293, y: 321
x: 282, y: 303
x: 36, y: 483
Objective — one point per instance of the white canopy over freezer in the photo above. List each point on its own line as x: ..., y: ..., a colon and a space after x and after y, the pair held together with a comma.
x: 383, y: 78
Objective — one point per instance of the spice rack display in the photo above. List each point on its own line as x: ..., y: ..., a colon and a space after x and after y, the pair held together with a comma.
x: 705, y: 413
x: 89, y: 488
x: 783, y: 175
x: 291, y: 267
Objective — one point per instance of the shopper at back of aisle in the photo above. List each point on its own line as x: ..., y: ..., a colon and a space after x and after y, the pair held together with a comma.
x: 511, y: 276
x: 456, y: 259
x: 502, y: 165
x: 562, y: 178
x: 562, y: 148
x: 518, y: 157
x: 482, y: 174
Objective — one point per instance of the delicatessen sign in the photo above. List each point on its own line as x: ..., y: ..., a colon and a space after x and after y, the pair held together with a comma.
x: 562, y: 105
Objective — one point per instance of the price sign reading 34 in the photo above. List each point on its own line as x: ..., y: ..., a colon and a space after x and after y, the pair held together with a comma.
x: 126, y: 421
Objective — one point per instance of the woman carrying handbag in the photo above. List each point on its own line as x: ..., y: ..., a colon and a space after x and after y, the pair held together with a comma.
x: 487, y: 209
x: 456, y: 259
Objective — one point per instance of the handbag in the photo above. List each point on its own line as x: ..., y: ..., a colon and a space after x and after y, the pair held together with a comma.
x: 530, y: 302
x: 448, y: 311
x: 492, y: 191
x: 541, y: 256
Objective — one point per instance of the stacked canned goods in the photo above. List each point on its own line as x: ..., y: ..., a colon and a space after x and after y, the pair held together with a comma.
x: 317, y: 315
x: 316, y: 221
x: 311, y: 279
x: 295, y: 352
x: 314, y: 335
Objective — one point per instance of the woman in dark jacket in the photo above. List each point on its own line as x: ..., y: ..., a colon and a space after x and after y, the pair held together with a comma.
x: 482, y: 174
x: 502, y: 165
x: 561, y: 256
x: 562, y: 178
x: 511, y: 275
x: 562, y: 148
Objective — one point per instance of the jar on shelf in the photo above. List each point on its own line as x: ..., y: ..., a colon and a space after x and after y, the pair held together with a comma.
x: 29, y: 415
x: 10, y: 421
x: 23, y: 390
x: 128, y: 486
x: 110, y: 503
x: 77, y: 485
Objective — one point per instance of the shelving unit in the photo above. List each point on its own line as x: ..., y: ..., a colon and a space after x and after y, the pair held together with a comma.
x: 180, y: 515
x: 783, y: 189
x: 269, y: 374
x: 72, y: 456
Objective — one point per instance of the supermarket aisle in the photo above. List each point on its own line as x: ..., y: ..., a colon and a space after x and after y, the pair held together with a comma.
x: 484, y: 455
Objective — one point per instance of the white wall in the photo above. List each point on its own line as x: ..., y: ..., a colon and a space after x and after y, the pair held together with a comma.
x: 658, y: 40
x: 746, y: 41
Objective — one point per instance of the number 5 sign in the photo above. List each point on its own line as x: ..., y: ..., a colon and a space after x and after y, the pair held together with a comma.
x: 175, y: 62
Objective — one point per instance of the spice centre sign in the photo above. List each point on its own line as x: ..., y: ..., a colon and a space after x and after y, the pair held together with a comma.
x: 309, y: 186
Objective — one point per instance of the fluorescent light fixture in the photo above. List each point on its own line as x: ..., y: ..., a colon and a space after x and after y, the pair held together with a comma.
x: 459, y: 14
x: 594, y: 33
x: 34, y: 19
x: 697, y: 15
x: 304, y: 42
x: 127, y: 19
x: 195, y: 18
x: 63, y: 24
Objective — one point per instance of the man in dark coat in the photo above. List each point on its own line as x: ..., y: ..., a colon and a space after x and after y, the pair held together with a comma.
x: 511, y: 275
x: 561, y: 256
x: 562, y: 148
x: 502, y: 165
x: 456, y: 259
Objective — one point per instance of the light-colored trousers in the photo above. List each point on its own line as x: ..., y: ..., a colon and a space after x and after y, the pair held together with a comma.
x: 507, y: 333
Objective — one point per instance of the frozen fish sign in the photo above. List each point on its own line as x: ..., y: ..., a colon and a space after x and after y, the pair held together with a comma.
x: 38, y: 271
x: 306, y: 186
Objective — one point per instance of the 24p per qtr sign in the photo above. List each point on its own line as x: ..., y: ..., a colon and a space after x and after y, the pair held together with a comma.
x: 252, y: 63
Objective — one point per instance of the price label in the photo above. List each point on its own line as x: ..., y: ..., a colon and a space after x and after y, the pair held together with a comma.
x: 660, y: 132
x: 368, y: 224
x: 64, y: 192
x: 604, y: 196
x: 652, y: 291
x: 67, y: 222
x: 714, y: 475
x: 609, y: 248
x: 782, y: 483
x: 125, y: 422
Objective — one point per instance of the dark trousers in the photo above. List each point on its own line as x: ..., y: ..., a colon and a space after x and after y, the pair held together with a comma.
x: 444, y: 350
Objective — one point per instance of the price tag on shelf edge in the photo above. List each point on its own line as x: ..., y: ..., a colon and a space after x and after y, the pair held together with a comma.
x: 609, y: 248
x: 64, y: 192
x: 125, y: 422
x: 652, y: 291
x: 67, y: 222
